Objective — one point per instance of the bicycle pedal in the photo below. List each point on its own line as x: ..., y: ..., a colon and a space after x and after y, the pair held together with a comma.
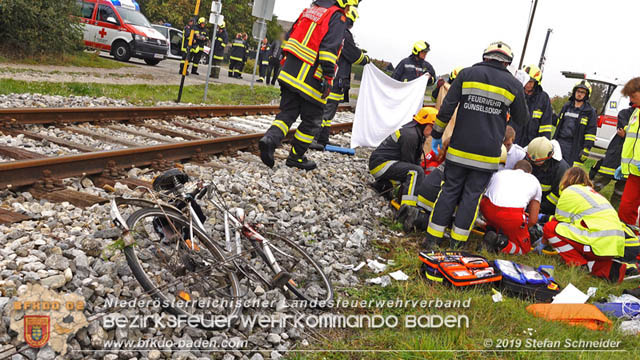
x: 281, y: 279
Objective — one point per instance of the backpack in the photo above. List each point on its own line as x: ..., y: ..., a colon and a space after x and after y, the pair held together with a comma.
x: 457, y: 268
x: 527, y: 283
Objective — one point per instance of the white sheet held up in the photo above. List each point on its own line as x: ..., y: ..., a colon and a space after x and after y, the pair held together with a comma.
x: 384, y: 104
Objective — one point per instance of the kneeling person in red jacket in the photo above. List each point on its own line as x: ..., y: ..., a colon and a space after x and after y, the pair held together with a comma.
x: 509, y: 196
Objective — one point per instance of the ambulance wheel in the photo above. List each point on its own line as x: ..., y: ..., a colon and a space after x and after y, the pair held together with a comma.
x: 151, y: 61
x: 121, y: 51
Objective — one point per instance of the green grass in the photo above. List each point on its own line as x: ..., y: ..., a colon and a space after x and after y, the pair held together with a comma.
x: 508, y: 319
x: 80, y: 59
x: 228, y: 94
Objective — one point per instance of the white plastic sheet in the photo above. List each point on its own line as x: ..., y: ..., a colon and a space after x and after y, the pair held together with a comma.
x: 384, y: 104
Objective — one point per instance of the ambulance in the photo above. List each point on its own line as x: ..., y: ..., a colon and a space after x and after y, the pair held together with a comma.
x: 118, y: 26
x: 607, y: 99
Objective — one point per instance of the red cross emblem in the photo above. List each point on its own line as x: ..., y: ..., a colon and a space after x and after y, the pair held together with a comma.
x: 102, y: 33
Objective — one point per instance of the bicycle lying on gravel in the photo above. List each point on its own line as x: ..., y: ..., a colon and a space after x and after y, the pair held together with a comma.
x: 197, y: 273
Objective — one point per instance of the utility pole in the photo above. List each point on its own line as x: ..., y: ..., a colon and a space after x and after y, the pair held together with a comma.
x: 543, y: 59
x: 526, y: 39
x: 215, y: 17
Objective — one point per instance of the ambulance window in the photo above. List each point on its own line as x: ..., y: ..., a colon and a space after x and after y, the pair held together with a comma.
x: 600, y: 95
x: 105, y: 12
x: 86, y: 9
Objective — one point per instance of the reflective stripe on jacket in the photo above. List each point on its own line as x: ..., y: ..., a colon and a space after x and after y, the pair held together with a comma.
x: 587, y: 217
x: 485, y: 92
x: 631, y: 147
x: 541, y: 118
x: 404, y: 144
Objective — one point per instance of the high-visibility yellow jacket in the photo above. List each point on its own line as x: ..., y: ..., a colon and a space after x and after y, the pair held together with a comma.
x: 587, y: 217
x: 631, y: 146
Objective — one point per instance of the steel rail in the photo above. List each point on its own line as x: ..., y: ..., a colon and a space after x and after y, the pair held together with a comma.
x: 28, y: 172
x: 20, y: 116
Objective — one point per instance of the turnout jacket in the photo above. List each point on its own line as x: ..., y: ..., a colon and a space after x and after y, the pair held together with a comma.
x: 311, y: 56
x: 403, y: 145
x: 549, y: 176
x: 485, y: 92
x: 350, y: 55
x: 576, y: 131
x: 237, y: 50
x: 200, y: 38
x: 541, y: 118
x: 413, y: 67
x: 263, y: 54
x: 612, y: 157
x: 221, y: 42
x: 186, y: 32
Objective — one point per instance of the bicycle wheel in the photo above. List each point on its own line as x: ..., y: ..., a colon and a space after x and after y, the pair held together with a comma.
x: 305, y: 278
x: 186, y: 276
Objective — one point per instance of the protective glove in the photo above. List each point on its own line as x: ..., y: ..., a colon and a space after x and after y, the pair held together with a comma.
x: 618, y: 174
x: 543, y: 218
x: 436, y: 144
x: 538, y: 246
x: 584, y: 155
x: 325, y: 88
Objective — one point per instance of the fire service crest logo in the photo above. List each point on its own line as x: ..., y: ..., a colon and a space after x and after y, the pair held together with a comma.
x: 36, y: 330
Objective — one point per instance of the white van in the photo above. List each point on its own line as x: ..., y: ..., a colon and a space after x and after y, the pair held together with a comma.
x: 607, y: 99
x: 118, y: 26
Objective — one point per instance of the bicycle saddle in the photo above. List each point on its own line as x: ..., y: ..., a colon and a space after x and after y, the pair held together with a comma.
x: 169, y: 180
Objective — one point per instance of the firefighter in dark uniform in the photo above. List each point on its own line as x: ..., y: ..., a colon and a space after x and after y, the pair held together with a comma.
x: 417, y: 218
x: 602, y: 173
x: 218, y: 50
x: 548, y: 171
x: 236, y: 56
x: 263, y: 59
x: 185, y: 44
x: 540, y: 108
x: 577, y: 125
x: 275, y: 56
x: 306, y: 77
x: 350, y: 55
x: 398, y: 157
x: 415, y: 66
x: 200, y: 38
x: 486, y: 92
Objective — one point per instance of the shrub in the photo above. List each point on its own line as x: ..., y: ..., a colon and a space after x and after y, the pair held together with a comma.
x: 34, y: 28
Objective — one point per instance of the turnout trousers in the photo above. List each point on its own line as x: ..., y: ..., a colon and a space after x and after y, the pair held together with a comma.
x: 410, y: 175
x: 600, y: 181
x: 463, y: 187
x: 272, y: 71
x: 292, y: 105
x: 329, y: 113
x: 235, y: 68
x: 575, y: 253
x: 630, y: 202
x: 512, y: 222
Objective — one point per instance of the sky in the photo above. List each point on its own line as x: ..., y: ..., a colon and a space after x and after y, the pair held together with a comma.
x: 591, y: 36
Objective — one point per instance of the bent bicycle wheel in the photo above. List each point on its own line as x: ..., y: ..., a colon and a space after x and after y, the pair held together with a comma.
x: 186, y: 275
x: 304, y: 276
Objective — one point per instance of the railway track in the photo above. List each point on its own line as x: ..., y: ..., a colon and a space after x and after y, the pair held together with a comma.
x: 104, y: 142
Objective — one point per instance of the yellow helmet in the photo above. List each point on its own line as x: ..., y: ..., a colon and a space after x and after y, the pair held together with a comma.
x: 503, y: 155
x: 223, y: 25
x: 201, y: 20
x: 534, y: 73
x: 426, y: 115
x: 498, y: 51
x: 539, y: 150
x: 420, y: 46
x: 455, y: 72
x: 344, y: 3
x: 352, y: 14
x: 582, y: 84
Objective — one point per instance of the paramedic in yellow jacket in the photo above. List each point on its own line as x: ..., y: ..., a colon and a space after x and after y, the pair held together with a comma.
x: 586, y: 230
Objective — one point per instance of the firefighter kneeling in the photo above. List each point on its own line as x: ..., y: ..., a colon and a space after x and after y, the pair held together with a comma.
x: 397, y: 159
x: 586, y: 230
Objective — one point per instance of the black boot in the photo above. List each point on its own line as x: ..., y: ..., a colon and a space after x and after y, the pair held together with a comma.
x: 267, y: 148
x: 408, y: 215
x: 383, y: 187
x: 316, y: 146
x: 301, y: 162
x: 494, y: 242
x: 431, y: 243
